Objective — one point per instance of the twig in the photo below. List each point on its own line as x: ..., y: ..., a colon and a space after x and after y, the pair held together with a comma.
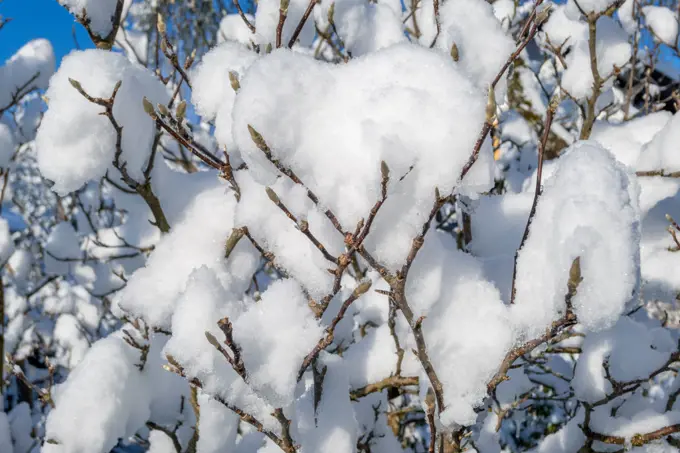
x: 537, y: 193
x: 287, y: 441
x: 301, y: 24
x: 390, y: 382
x: 326, y: 341
x: 636, y: 440
x: 501, y: 375
x: 435, y: 5
x: 283, y: 12
x: 144, y: 190
x: 250, y: 26
x: 302, y: 225
x: 168, y: 432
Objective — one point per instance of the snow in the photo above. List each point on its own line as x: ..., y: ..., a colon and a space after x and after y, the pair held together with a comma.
x: 71, y: 157
x: 270, y: 227
x: 336, y: 424
x: 466, y: 342
x: 366, y: 27
x: 505, y: 11
x: 371, y: 359
x: 568, y: 439
x: 498, y: 224
x: 6, y: 242
x: 100, y: 13
x: 614, y: 347
x: 218, y: 426
x: 202, y: 304
x: 21, y: 427
x: 645, y: 420
x: 612, y: 49
x: 34, y: 59
x: 27, y: 116
x: 660, y: 154
x: 483, y: 45
x: 233, y: 28
x: 404, y: 105
x: 659, y: 196
x: 275, y: 335
x: 267, y: 20
x: 575, y: 8
x: 625, y: 13
x: 199, y: 238
x: 134, y: 43
x: 68, y: 334
x: 7, y: 145
x: 311, y: 130
x: 212, y: 94
x: 103, y: 400
x: 663, y: 23
x: 595, y: 202
x: 61, y: 248
x: 160, y: 442
x: 5, y: 434
x: 626, y: 140
x: 562, y: 29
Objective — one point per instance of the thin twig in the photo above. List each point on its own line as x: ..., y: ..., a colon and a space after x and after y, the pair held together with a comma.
x: 537, y: 193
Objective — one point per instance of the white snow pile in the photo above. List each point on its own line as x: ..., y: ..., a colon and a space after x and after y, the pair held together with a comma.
x: 406, y: 106
x: 28, y: 69
x: 71, y: 156
x: 99, y: 13
x: 663, y: 23
x: 594, y: 201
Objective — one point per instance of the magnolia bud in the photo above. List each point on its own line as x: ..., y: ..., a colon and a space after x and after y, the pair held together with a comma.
x: 148, y: 107
x: 258, y: 140
x: 181, y: 110
x: 160, y: 25
x: 272, y: 195
x: 233, y: 79
x: 163, y: 110
x: 454, y: 52
x: 362, y: 288
x: 75, y: 84
x: 491, y: 105
x: 384, y: 170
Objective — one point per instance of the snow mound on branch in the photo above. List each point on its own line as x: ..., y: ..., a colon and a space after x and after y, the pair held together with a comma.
x: 28, y: 69
x: 234, y: 28
x: 627, y: 140
x: 614, y: 347
x: 204, y: 302
x: 588, y: 210
x: 365, y: 27
x: 100, y: 13
x: 212, y: 94
x: 333, y: 125
x: 7, y: 145
x: 197, y: 240
x: 76, y: 144
x: 61, y: 249
x: 267, y: 20
x: 663, y: 23
x: 612, y: 48
x: 275, y: 335
x: 460, y: 335
x: 483, y: 46
x: 661, y: 153
x: 104, y: 399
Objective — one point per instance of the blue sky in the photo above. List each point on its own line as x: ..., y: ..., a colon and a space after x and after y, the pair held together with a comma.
x: 39, y: 19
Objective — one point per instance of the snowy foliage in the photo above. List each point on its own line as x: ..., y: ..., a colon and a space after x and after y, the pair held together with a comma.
x: 343, y: 226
